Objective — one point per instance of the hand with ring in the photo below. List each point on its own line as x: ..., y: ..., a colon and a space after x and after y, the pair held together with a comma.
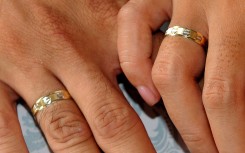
x: 61, y: 58
x: 209, y: 120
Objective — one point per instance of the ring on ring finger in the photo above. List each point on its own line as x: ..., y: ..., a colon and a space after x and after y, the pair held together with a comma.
x: 190, y: 34
x: 49, y: 99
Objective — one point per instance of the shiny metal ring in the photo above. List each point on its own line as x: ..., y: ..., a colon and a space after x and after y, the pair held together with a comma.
x: 188, y: 34
x: 49, y: 99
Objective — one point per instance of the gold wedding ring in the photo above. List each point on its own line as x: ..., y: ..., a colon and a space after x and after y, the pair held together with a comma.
x: 49, y: 99
x: 187, y: 33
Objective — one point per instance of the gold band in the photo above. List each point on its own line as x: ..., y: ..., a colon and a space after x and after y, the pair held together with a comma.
x: 47, y: 100
x: 188, y: 34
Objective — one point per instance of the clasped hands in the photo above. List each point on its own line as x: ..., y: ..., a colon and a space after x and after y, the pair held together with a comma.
x: 52, y: 45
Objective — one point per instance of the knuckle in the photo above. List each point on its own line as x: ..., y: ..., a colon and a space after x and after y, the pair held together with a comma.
x: 217, y: 94
x: 113, y: 121
x: 110, y: 118
x: 126, y: 63
x: 128, y: 68
x: 64, y: 126
x: 162, y: 72
x: 167, y: 74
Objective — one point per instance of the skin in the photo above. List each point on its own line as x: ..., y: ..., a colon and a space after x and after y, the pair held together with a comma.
x: 51, y: 45
x: 209, y: 120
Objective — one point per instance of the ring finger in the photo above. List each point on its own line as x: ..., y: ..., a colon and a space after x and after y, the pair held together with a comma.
x: 62, y: 123
x: 178, y: 65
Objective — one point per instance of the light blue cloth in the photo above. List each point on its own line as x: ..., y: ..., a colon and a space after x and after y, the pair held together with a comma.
x: 153, y: 119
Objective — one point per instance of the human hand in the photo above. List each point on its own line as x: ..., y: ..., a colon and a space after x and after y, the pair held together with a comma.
x: 52, y: 45
x: 209, y: 121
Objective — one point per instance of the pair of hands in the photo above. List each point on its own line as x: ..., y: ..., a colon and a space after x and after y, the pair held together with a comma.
x: 53, y: 45
x: 209, y: 120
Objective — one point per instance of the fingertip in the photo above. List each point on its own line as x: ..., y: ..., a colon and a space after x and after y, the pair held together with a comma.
x: 150, y: 96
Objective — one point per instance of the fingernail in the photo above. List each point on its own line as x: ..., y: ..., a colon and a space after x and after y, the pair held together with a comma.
x: 147, y: 95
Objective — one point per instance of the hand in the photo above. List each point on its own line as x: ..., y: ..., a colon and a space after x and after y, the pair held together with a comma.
x: 209, y: 121
x: 52, y: 45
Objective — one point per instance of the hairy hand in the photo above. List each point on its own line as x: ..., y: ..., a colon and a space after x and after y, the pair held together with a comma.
x: 52, y: 45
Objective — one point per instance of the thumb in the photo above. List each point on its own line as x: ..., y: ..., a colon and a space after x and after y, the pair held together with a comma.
x: 137, y: 20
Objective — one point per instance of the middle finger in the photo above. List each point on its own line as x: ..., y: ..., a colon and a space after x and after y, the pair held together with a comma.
x: 115, y: 125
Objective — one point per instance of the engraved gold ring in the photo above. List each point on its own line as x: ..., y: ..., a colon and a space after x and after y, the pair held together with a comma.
x: 49, y: 99
x: 188, y: 34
